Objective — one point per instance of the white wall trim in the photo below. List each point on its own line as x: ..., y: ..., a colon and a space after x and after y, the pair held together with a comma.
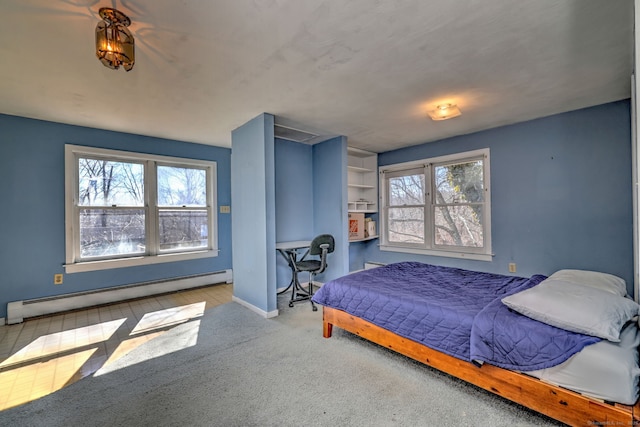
x: 17, y: 311
x: 429, y: 246
x: 368, y: 265
x: 153, y: 255
x: 435, y: 252
x: 80, y: 267
x: 265, y: 314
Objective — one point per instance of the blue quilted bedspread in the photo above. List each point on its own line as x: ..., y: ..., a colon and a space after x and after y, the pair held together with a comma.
x: 455, y: 311
x: 505, y: 338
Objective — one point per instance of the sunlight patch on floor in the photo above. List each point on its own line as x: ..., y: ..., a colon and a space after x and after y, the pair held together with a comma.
x: 43, y: 355
x: 188, y: 337
x: 169, y: 317
x: 65, y: 341
x: 24, y: 384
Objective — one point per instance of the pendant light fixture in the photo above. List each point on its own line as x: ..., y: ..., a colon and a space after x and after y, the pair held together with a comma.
x: 114, y: 42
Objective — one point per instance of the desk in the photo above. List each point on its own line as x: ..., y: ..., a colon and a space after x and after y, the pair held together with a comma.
x: 289, y: 250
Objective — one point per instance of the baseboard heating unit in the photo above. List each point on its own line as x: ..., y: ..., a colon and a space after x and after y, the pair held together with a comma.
x: 17, y: 311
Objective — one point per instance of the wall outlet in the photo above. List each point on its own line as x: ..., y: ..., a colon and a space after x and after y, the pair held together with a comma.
x: 57, y: 279
x: 512, y: 267
x: 225, y: 209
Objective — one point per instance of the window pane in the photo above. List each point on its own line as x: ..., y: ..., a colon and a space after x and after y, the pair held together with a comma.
x: 109, y: 183
x: 184, y: 229
x: 406, y: 225
x: 459, y: 183
x: 182, y: 186
x: 459, y: 226
x: 109, y: 232
x: 406, y: 190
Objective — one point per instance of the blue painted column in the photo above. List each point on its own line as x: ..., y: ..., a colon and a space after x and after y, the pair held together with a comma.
x: 330, y: 201
x: 253, y: 215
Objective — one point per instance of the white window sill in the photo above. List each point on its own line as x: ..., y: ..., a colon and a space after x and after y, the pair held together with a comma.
x: 432, y: 252
x: 80, y: 267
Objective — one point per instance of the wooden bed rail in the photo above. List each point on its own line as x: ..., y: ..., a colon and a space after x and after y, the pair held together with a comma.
x: 556, y: 402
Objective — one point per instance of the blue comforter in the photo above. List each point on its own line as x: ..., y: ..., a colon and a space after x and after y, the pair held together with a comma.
x: 455, y: 311
x: 505, y: 338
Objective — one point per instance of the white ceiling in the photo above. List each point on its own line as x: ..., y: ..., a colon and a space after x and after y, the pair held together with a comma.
x: 366, y: 69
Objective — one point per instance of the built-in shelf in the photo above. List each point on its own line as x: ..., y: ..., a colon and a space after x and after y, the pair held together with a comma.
x: 358, y: 169
x: 362, y: 206
x: 365, y: 239
x: 362, y: 185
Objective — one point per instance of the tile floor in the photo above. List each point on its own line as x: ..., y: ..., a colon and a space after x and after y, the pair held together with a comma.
x: 40, y: 356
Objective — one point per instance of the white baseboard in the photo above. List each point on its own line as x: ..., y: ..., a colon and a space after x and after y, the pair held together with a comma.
x: 261, y: 312
x: 371, y: 264
x: 17, y: 311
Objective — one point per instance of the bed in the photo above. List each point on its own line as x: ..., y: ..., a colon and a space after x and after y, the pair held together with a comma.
x: 483, y: 328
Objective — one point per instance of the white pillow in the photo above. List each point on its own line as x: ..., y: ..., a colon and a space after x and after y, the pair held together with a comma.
x: 604, y: 281
x: 576, y: 308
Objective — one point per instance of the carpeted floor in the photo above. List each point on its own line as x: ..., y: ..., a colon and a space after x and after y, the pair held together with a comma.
x: 233, y: 368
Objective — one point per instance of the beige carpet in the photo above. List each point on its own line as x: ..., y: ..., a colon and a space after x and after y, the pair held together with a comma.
x: 233, y: 368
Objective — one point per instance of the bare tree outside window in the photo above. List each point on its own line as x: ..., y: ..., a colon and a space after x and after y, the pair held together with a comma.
x: 112, y: 218
x: 459, y: 198
x: 406, y: 209
x: 183, y: 216
x: 438, y: 206
x: 179, y: 186
x: 124, y: 208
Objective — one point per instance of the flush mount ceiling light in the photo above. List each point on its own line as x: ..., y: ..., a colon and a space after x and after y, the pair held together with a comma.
x: 114, y: 42
x: 445, y: 111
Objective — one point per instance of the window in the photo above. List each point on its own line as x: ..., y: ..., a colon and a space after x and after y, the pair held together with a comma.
x: 125, y: 209
x: 438, y: 206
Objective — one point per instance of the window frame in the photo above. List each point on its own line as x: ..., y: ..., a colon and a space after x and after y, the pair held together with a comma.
x: 153, y: 255
x: 429, y: 247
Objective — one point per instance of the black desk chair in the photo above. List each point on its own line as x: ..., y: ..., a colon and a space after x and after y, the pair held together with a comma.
x: 321, y: 246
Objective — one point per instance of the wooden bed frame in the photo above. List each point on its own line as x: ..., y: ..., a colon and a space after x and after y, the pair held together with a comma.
x: 556, y: 402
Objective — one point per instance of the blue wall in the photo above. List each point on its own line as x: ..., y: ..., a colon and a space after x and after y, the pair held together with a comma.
x: 294, y: 199
x: 253, y: 193
x: 561, y: 198
x: 310, y: 199
x: 32, y: 215
x: 294, y: 191
x: 561, y: 193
